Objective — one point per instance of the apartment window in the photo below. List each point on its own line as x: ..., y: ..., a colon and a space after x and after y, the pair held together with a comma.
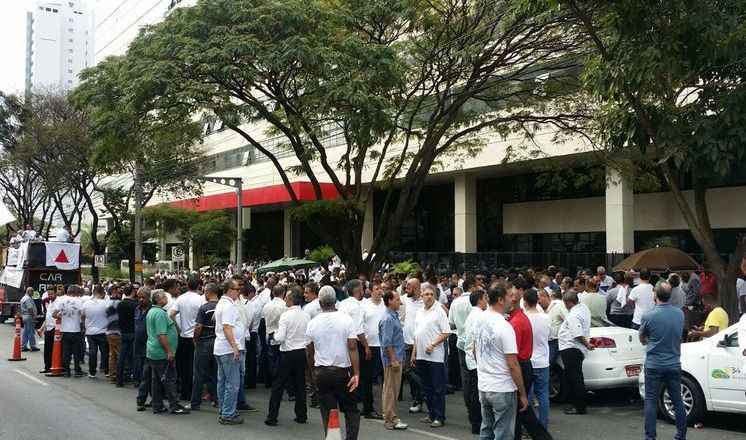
x: 70, y: 50
x: 48, y: 9
x: 71, y: 20
x: 55, y: 11
x: 69, y: 70
x: 70, y: 60
x: 71, y: 30
x: 70, y: 40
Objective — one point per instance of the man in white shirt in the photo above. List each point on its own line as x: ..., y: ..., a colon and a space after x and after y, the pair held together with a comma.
x: 184, y: 312
x: 574, y: 334
x: 478, y: 302
x: 311, y: 296
x: 291, y: 334
x: 229, y: 351
x: 50, y: 323
x: 96, y: 322
x: 605, y: 282
x: 643, y: 297
x: 332, y: 349
x: 352, y: 306
x: 498, y: 371
x: 428, y: 356
x: 540, y: 355
x: 271, y: 314
x: 262, y: 298
x: 69, y: 309
x: 373, y: 311
x: 411, y: 304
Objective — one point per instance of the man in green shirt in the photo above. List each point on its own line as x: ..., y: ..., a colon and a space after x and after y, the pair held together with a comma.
x: 159, y: 354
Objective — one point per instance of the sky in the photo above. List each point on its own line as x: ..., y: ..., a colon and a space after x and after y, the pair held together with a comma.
x: 13, y: 46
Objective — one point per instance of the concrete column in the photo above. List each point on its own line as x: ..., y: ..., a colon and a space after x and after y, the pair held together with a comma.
x: 162, y: 244
x: 287, y: 234
x: 233, y: 240
x: 192, y: 263
x: 620, y: 214
x: 465, y: 213
x: 366, y: 241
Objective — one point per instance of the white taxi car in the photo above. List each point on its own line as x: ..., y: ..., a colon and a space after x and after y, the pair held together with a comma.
x: 615, y: 361
x: 713, y: 377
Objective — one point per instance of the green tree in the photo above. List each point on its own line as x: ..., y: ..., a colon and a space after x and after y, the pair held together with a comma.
x: 364, y: 94
x: 666, y: 80
x: 132, y: 141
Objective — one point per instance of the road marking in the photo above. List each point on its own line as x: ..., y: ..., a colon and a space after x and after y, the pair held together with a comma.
x: 421, y: 432
x: 30, y: 377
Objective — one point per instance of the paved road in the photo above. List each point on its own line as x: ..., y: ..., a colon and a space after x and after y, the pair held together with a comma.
x: 36, y: 407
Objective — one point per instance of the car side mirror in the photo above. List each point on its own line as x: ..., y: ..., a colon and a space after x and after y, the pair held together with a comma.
x: 723, y: 343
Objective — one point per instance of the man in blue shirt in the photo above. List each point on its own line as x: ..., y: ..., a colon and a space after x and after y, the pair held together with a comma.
x: 660, y: 332
x: 392, y: 356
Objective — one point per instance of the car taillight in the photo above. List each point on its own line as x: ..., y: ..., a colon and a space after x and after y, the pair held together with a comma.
x: 602, y: 342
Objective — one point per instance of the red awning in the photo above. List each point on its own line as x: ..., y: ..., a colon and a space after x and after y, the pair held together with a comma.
x: 266, y: 195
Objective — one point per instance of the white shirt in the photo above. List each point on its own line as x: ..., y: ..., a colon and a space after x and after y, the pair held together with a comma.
x: 606, y: 283
x: 291, y: 331
x: 742, y: 335
x: 468, y: 338
x: 49, y: 321
x: 329, y: 333
x: 644, y: 300
x: 429, y: 324
x: 411, y: 307
x: 740, y: 291
x: 312, y: 309
x: 577, y: 323
x: 557, y: 312
x: 186, y: 307
x: 494, y: 338
x: 96, y: 320
x: 352, y: 307
x: 540, y: 329
x: 372, y: 315
x: 227, y: 313
x: 70, y: 308
x: 255, y: 307
x: 271, y: 313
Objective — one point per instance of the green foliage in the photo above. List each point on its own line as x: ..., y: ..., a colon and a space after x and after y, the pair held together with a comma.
x: 326, y: 211
x: 110, y: 271
x: 212, y: 230
x: 405, y: 267
x: 322, y: 254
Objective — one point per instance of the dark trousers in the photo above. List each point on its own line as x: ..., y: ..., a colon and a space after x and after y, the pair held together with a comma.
x: 251, y: 361
x: 410, y: 374
x: 97, y: 344
x: 264, y: 371
x: 126, y: 356
x: 146, y: 383
x: 621, y: 320
x: 433, y: 375
x: 205, y: 372
x: 471, y: 394
x: 572, y: 358
x: 139, y: 358
x: 71, y: 342
x: 369, y: 370
x: 163, y: 384
x: 48, y: 348
x: 291, y: 373
x: 332, y: 390
x: 185, y: 367
x: 455, y: 378
x: 527, y: 419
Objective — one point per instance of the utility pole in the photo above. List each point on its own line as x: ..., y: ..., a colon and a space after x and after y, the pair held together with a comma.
x: 239, y: 224
x: 138, y: 224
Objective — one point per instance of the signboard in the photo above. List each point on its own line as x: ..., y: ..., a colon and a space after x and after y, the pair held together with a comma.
x: 138, y: 266
x: 177, y: 254
x: 43, y: 280
x: 99, y: 260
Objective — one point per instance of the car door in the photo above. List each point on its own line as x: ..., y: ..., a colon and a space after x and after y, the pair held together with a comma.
x: 727, y: 372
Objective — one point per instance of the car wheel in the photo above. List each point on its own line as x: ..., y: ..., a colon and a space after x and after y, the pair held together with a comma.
x: 694, y: 402
x: 555, y: 384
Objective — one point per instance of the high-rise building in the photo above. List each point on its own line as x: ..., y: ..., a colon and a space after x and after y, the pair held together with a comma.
x: 59, y: 43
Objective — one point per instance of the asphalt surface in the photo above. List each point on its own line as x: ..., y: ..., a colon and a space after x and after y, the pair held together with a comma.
x: 33, y: 406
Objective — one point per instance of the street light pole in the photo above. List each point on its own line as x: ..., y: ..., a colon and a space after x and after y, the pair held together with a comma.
x: 138, y: 225
x: 239, y: 225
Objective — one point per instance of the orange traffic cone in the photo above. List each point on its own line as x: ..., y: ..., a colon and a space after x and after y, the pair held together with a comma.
x: 17, y: 342
x: 332, y: 429
x: 57, y: 369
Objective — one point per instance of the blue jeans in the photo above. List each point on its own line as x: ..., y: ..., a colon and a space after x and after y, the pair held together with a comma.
x: 498, y: 415
x: 229, y: 383
x: 434, y: 380
x: 655, y: 378
x: 540, y: 389
x: 27, y: 335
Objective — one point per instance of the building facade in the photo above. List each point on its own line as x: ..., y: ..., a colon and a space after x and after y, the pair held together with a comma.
x: 59, y: 44
x: 475, y: 212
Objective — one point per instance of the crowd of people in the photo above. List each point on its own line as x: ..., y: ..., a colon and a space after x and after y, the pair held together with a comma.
x: 324, y: 340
